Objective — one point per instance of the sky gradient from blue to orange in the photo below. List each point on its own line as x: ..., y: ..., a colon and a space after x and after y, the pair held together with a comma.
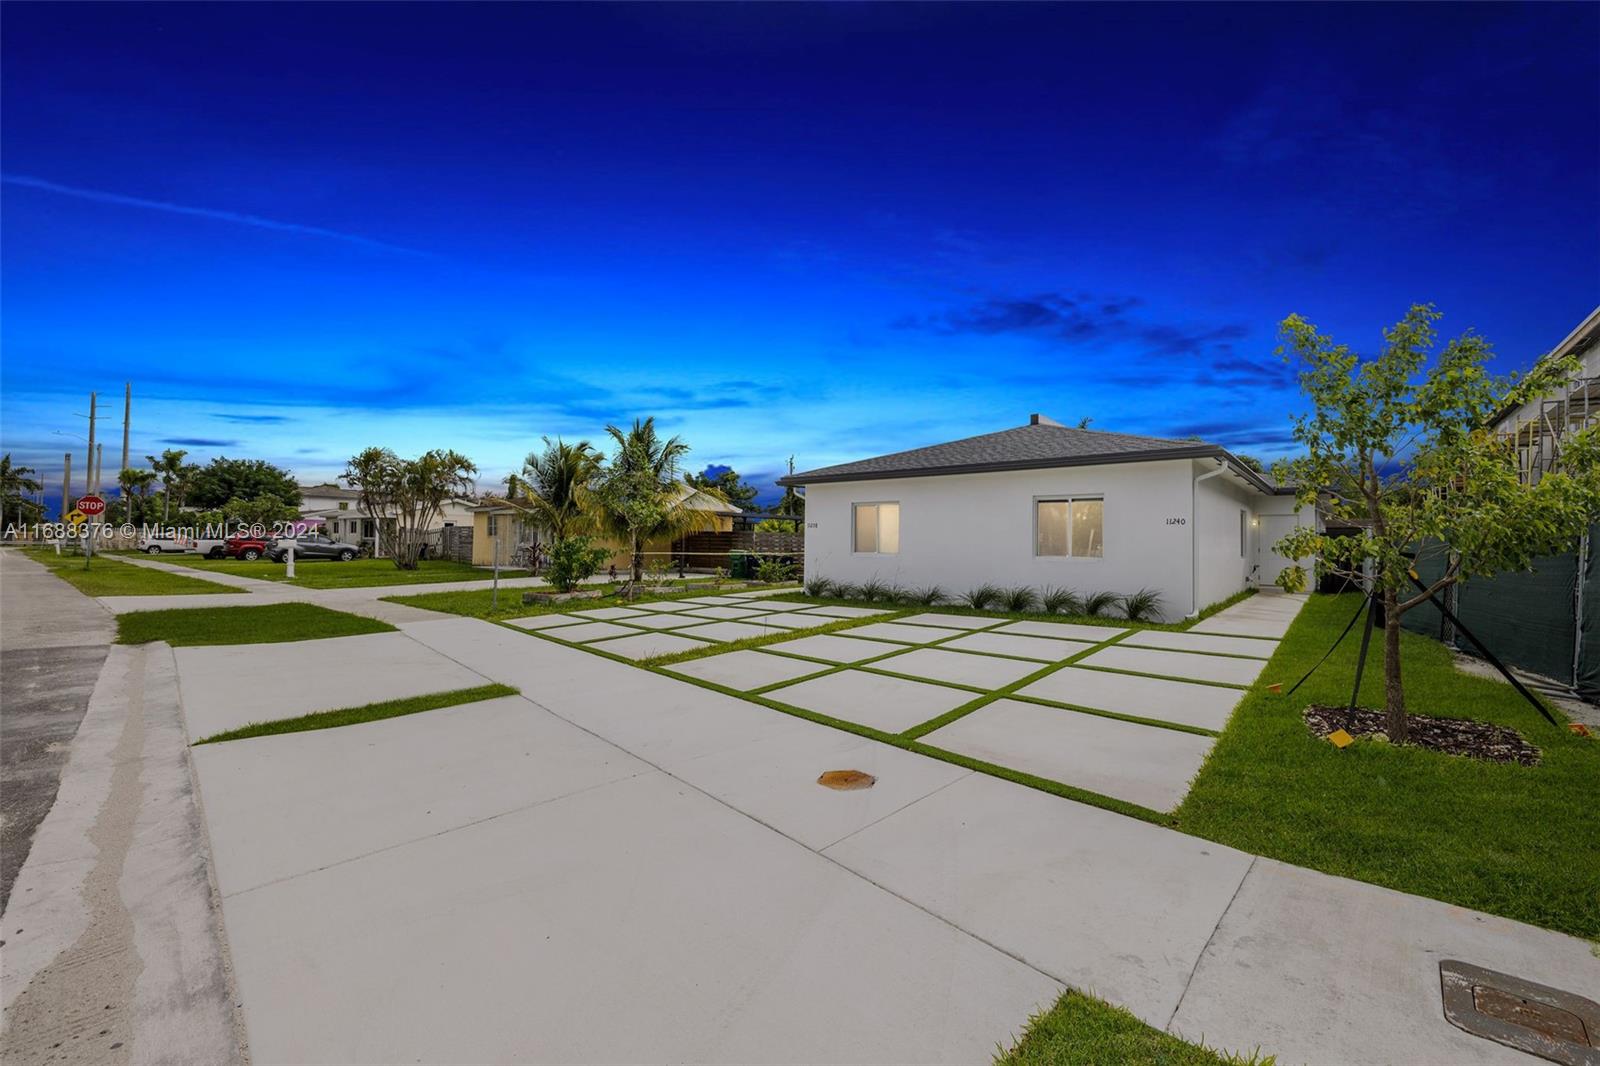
x: 827, y: 231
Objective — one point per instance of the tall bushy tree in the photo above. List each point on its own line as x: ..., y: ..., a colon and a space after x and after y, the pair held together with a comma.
x: 137, y: 481
x: 558, y: 481
x: 727, y: 483
x: 167, y: 467
x: 640, y: 494
x: 1401, y: 448
x: 407, y: 496
x: 224, y: 479
x: 17, y: 484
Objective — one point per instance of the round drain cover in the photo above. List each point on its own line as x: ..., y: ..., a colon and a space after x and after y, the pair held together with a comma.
x: 846, y: 780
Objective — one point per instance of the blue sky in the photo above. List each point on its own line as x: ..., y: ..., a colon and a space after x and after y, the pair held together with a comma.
x: 826, y: 231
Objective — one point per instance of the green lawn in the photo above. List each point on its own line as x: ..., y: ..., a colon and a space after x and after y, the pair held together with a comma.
x: 370, y: 712
x: 108, y: 575
x: 332, y: 574
x: 269, y: 624
x: 1519, y: 841
x: 1082, y: 1031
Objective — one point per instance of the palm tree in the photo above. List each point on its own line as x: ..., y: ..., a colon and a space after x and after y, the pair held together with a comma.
x: 133, y: 480
x: 183, y: 481
x: 167, y: 468
x: 17, y: 483
x: 557, y: 483
x: 640, y: 496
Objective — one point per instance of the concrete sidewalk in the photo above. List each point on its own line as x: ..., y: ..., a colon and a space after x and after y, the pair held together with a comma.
x: 53, y: 641
x: 113, y: 950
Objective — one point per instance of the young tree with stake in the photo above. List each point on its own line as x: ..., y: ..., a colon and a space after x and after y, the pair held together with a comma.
x: 1402, y: 450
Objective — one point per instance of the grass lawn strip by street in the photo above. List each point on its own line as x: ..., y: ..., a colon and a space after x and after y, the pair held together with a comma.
x: 1083, y: 1031
x: 108, y: 575
x: 371, y: 712
x: 1518, y: 841
x: 332, y: 574
x: 267, y: 624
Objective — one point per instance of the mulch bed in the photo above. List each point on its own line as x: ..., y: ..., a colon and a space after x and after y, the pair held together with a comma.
x: 1476, y: 740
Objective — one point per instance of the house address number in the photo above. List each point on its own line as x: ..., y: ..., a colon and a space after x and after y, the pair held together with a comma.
x: 1177, y: 521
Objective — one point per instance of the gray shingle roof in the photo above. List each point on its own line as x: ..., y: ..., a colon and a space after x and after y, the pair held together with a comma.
x: 1039, y: 445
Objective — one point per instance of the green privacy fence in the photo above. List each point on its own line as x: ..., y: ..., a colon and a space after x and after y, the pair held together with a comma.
x: 1546, y: 621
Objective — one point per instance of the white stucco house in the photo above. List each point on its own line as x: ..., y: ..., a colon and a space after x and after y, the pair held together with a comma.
x: 1050, y: 505
x: 338, y: 511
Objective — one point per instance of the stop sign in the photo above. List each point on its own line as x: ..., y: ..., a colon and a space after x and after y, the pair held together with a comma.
x: 93, y: 506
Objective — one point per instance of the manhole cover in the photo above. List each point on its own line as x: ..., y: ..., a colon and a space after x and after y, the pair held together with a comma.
x: 846, y: 780
x: 1556, y: 1025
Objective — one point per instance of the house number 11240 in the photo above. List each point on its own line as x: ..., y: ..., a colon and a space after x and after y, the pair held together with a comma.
x: 1177, y: 521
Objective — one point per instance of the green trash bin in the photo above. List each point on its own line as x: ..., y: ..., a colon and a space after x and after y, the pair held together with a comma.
x: 741, y: 565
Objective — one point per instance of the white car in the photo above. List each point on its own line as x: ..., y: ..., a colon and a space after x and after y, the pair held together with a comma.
x: 154, y: 545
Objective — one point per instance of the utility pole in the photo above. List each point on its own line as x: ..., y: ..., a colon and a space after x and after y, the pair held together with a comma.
x: 66, y: 485
x: 88, y: 470
x: 127, y: 416
x: 99, y: 466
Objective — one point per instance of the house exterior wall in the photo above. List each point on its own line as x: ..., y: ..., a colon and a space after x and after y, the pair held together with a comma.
x: 960, y: 531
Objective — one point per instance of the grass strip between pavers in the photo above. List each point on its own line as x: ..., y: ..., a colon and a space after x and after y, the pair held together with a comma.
x: 371, y: 712
x: 272, y: 623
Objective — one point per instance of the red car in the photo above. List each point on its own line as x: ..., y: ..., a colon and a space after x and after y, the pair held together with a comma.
x: 247, y: 548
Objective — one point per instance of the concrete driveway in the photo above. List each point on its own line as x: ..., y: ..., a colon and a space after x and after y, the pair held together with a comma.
x: 620, y: 866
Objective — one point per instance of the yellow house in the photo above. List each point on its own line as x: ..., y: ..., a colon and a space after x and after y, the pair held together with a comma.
x: 501, y: 527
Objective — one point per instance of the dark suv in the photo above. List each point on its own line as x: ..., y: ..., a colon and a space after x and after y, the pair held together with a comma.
x: 313, y: 546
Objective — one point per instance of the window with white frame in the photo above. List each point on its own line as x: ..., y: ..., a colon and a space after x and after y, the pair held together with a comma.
x: 876, y: 528
x: 1070, y: 526
x: 494, y: 525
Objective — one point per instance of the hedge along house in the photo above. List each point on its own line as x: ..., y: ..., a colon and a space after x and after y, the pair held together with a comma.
x: 1049, y: 505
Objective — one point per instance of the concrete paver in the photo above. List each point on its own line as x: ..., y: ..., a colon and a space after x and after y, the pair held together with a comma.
x: 1321, y: 969
x: 1251, y: 647
x: 362, y: 788
x: 1142, y: 764
x: 961, y: 668
x: 726, y: 631
x: 775, y: 782
x: 586, y: 631
x: 546, y: 621
x: 794, y: 621
x: 606, y: 613
x: 846, y: 612
x: 837, y: 649
x: 1206, y: 706
x: 1062, y: 630
x: 727, y: 612
x: 639, y: 921
x: 1095, y: 899
x: 905, y: 634
x: 228, y: 686
x: 948, y: 621
x: 1177, y: 664
x: 646, y: 645
x: 665, y: 620
x: 891, y: 704
x: 746, y: 670
x: 1043, y: 649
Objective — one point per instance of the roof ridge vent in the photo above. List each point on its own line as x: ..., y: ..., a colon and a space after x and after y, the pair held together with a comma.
x: 1042, y: 420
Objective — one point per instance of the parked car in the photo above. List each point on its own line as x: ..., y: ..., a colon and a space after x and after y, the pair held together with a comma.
x: 314, y: 546
x: 247, y: 548
x: 211, y: 549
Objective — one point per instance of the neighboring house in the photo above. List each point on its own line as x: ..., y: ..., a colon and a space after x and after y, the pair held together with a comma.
x: 1540, y: 426
x: 1048, y: 505
x: 1545, y: 620
x: 338, y: 510
x: 503, y: 526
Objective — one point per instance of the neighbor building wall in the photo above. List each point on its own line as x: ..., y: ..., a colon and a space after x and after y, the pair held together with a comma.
x: 960, y: 531
x: 1225, y: 566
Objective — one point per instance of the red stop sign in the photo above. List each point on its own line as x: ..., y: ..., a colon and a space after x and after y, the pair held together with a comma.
x: 93, y: 506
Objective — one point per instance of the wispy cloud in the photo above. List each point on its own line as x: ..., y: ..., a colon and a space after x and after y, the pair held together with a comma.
x: 200, y: 442
x: 252, y: 420
x: 103, y: 197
